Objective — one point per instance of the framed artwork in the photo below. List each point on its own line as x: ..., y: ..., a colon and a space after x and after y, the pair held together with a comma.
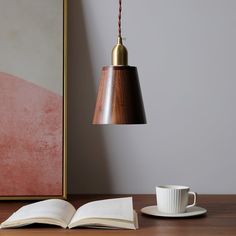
x: 33, y: 97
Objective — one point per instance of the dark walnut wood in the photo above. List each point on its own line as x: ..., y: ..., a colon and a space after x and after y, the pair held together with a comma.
x: 220, y: 219
x: 119, y: 99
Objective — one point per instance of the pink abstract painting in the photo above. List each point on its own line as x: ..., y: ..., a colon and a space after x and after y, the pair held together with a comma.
x: 31, y: 139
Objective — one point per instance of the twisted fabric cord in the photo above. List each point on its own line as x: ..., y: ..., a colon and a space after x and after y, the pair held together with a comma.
x: 119, y: 17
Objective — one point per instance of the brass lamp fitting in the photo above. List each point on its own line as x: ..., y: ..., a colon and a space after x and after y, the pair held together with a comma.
x: 119, y: 54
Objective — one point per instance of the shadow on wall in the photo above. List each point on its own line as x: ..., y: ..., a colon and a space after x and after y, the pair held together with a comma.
x: 87, y: 163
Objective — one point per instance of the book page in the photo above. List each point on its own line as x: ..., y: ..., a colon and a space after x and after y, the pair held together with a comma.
x: 54, y: 209
x: 107, y: 223
x: 118, y: 208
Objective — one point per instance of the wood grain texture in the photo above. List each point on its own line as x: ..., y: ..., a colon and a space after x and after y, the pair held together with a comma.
x: 119, y: 99
x: 220, y: 219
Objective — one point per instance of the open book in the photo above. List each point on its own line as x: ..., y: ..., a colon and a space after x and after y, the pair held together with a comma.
x: 111, y: 213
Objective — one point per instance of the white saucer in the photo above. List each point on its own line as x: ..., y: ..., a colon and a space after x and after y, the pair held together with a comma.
x: 191, y: 211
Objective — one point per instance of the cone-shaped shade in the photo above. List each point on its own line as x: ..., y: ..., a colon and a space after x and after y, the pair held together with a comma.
x: 119, y: 99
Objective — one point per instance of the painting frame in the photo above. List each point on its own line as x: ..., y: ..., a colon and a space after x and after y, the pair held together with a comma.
x: 65, y: 114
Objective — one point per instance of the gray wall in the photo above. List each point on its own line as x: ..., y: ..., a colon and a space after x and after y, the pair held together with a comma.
x: 185, y: 52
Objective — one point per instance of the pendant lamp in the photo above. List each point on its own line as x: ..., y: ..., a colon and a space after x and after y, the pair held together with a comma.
x: 119, y: 99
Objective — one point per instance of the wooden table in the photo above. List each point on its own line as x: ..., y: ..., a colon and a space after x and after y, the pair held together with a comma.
x: 220, y: 219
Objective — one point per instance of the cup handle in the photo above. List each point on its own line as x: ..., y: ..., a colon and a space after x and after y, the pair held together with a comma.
x: 194, y: 199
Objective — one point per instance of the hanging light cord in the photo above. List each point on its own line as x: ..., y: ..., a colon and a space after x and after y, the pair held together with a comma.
x: 119, y: 17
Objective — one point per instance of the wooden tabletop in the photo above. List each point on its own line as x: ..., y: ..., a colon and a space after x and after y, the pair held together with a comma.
x: 219, y: 220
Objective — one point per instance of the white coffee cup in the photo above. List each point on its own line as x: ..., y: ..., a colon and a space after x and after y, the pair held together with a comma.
x: 173, y: 199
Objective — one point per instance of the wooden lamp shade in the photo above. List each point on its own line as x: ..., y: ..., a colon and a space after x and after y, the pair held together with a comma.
x: 119, y: 99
